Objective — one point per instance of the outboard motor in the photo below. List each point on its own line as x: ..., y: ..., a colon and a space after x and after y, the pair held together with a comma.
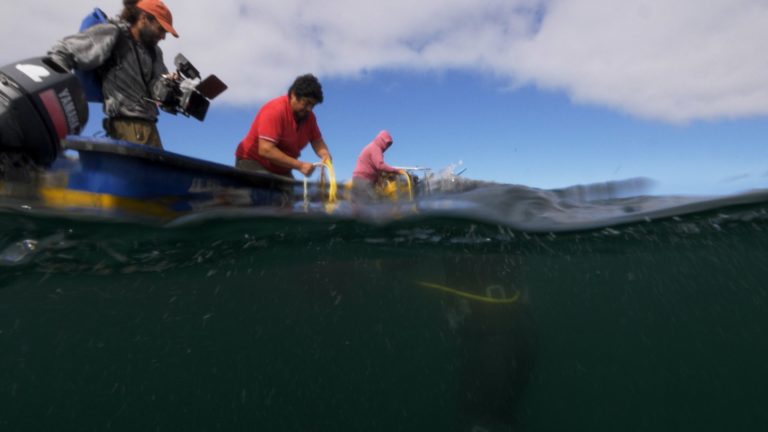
x: 40, y: 103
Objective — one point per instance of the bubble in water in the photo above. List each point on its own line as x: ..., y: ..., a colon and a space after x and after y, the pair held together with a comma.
x: 18, y: 253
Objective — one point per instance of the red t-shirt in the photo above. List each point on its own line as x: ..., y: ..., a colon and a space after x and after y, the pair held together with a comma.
x: 275, y: 122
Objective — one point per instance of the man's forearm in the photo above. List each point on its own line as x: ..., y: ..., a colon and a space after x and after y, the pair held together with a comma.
x: 321, y: 150
x: 276, y: 156
x: 61, y: 56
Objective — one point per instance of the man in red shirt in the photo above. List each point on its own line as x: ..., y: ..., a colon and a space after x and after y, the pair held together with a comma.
x: 281, y: 129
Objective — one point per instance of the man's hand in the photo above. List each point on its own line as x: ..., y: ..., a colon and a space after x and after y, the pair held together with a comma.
x: 306, y: 168
x: 325, y: 157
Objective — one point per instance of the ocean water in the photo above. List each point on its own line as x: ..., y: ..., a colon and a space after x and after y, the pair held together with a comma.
x: 493, y: 306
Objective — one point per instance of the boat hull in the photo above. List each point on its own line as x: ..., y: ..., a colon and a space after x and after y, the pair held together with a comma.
x: 117, y: 178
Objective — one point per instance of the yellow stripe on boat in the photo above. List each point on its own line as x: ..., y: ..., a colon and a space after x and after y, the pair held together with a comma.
x: 67, y: 198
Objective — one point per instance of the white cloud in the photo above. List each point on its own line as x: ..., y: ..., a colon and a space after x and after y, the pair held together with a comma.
x: 675, y: 61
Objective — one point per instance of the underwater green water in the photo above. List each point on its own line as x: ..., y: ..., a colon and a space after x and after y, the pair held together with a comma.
x: 302, y: 324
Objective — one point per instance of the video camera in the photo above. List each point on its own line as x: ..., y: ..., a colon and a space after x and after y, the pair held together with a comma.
x: 184, y: 92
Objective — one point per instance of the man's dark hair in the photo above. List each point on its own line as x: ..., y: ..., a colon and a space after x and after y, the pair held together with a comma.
x: 130, y: 13
x: 307, y: 86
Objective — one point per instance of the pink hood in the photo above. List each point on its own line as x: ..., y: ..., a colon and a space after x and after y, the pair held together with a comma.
x: 383, y: 140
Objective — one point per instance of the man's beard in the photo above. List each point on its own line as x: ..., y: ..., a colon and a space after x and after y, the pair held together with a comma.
x: 300, y: 117
x: 147, y: 38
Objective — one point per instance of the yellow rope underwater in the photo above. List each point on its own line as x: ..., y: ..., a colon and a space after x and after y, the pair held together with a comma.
x: 471, y: 296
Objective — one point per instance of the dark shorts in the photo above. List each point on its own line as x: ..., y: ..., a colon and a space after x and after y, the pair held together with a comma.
x: 254, y: 165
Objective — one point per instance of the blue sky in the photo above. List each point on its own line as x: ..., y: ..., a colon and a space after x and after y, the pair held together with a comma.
x: 545, y: 93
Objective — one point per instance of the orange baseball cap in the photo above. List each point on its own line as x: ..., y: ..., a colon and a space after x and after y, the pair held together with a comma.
x: 160, y: 11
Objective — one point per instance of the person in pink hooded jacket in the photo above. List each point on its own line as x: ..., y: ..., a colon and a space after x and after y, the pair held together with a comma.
x: 371, y: 163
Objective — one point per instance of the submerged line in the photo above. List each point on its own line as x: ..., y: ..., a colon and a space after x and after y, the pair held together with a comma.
x: 470, y: 295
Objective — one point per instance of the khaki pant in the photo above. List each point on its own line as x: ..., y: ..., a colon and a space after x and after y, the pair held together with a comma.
x: 134, y: 130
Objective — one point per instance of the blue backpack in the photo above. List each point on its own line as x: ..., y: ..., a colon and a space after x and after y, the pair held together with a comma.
x: 90, y: 80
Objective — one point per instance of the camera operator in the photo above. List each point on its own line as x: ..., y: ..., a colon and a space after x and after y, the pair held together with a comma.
x: 125, y: 54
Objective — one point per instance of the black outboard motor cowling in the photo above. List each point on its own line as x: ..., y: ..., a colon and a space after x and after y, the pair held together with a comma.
x: 39, y: 104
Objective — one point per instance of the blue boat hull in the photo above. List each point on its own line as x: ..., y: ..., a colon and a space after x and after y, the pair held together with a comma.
x: 120, y: 178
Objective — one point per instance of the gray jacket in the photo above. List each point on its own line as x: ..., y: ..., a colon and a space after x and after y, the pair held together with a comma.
x: 119, y: 61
